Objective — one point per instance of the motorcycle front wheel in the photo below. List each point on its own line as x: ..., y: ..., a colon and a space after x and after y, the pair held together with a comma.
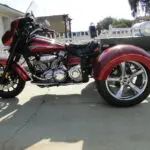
x: 127, y: 84
x: 12, y: 86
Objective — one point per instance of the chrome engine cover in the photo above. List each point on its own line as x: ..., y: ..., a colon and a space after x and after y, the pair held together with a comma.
x: 59, y: 75
x: 47, y: 58
x: 44, y: 63
x: 75, y: 73
x: 48, y: 74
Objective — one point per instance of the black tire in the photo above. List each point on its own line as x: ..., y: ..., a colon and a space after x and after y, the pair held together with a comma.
x: 103, y: 91
x: 11, y: 94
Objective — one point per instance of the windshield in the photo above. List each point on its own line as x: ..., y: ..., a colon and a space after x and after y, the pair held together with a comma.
x: 32, y: 9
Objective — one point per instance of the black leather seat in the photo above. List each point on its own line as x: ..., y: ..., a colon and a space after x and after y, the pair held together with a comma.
x: 82, y: 50
x: 79, y: 46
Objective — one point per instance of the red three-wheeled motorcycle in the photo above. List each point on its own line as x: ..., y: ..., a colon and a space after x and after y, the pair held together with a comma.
x: 121, y: 72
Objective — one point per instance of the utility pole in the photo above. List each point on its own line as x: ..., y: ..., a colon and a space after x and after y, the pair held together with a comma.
x: 65, y: 22
x: 69, y: 19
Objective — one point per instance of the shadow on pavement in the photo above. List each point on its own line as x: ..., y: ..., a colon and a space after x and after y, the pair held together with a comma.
x: 73, y: 122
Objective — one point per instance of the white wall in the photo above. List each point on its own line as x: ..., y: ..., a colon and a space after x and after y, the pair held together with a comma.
x: 1, y: 31
x: 4, y: 25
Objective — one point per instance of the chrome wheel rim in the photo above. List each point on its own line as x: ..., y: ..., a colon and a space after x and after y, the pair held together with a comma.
x: 127, y: 81
x: 10, y: 85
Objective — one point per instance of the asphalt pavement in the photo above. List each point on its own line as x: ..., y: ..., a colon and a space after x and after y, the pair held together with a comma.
x: 71, y: 118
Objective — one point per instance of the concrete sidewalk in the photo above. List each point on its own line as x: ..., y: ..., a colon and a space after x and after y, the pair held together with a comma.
x: 71, y: 118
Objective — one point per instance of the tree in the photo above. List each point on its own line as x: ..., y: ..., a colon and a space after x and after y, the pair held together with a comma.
x: 118, y: 23
x: 122, y: 23
x: 104, y: 24
x: 145, y: 5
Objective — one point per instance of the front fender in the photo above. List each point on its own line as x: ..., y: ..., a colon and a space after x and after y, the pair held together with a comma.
x: 117, y: 54
x: 17, y: 68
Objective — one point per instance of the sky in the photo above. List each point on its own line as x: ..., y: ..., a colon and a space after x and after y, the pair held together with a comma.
x: 82, y: 12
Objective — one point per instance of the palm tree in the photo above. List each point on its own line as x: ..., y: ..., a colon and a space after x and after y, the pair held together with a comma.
x: 145, y: 5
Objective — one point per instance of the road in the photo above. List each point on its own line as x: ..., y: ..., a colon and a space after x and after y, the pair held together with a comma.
x: 71, y: 118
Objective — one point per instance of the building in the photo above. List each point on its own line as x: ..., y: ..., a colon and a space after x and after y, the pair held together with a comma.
x: 7, y: 14
x: 60, y: 23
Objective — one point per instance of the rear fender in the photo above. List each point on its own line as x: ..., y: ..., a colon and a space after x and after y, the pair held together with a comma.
x: 17, y: 68
x: 111, y: 57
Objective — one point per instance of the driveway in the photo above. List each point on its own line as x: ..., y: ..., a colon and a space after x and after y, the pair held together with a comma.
x: 71, y: 118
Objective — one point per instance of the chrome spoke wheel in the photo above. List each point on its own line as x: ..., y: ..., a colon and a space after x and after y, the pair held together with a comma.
x: 127, y: 81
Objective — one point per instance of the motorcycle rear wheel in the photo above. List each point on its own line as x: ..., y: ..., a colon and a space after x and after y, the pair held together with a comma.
x: 128, y: 84
x: 13, y: 85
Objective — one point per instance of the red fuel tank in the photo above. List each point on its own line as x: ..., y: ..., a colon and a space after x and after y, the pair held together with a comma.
x: 41, y: 44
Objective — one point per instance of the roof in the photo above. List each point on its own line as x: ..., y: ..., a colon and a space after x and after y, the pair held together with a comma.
x: 5, y: 10
x: 54, y: 17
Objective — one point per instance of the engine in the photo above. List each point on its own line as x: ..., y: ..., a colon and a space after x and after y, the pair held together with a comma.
x: 51, y: 68
x: 75, y: 73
